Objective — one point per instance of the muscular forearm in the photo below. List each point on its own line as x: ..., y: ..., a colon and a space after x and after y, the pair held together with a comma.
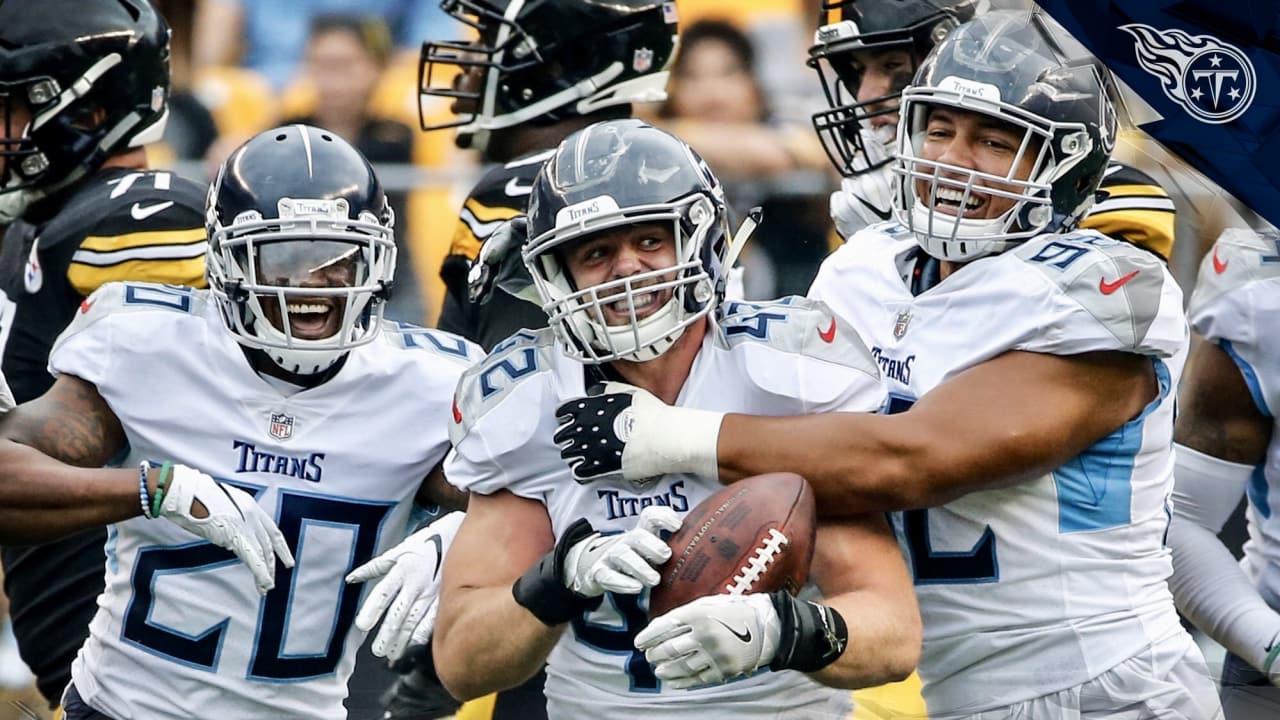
x: 854, y: 462
x: 42, y: 499
x: 884, y: 641
x: 485, y: 642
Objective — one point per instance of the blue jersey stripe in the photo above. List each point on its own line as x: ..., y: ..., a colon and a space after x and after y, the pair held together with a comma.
x: 1250, y: 377
x: 1095, y: 487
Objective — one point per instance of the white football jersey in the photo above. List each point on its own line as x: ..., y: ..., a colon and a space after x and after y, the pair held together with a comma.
x: 181, y: 631
x: 1236, y: 303
x: 777, y: 358
x: 1038, y: 587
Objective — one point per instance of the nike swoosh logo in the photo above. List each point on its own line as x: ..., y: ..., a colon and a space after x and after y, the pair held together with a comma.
x: 1109, y: 287
x: 435, y: 540
x: 828, y: 335
x: 515, y: 189
x: 1218, y: 265
x: 142, y: 213
x: 744, y: 636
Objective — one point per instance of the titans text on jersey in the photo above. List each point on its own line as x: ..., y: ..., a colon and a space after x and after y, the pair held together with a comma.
x: 770, y: 358
x: 186, y: 610
x: 1038, y: 587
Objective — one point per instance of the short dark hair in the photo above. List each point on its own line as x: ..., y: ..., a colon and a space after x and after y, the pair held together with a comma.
x: 720, y: 31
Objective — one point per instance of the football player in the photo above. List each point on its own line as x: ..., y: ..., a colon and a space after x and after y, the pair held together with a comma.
x: 627, y: 243
x: 538, y: 71
x: 1227, y: 447
x: 282, y: 380
x: 866, y: 52
x: 1028, y: 443
x: 84, y: 85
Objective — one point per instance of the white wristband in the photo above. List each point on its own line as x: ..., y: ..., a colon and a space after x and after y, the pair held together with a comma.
x: 677, y: 440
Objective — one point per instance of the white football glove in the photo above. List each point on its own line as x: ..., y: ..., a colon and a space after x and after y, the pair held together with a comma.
x: 621, y: 563
x: 862, y: 200
x: 235, y: 522
x: 409, y: 586
x: 623, y: 430
x: 711, y: 639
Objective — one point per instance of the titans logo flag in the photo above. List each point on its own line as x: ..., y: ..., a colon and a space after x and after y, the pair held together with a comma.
x: 1211, y: 68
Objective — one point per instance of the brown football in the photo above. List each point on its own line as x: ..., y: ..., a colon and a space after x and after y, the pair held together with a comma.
x: 755, y: 535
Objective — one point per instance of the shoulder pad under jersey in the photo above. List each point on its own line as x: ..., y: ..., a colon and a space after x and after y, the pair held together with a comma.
x: 1119, y: 285
x: 1240, y: 256
x: 514, y: 363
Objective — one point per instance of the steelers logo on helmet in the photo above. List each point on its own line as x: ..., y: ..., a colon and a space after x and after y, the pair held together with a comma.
x: 627, y: 241
x: 301, y: 252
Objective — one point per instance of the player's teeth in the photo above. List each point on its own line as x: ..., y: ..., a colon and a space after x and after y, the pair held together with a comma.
x: 955, y: 196
x: 307, y: 308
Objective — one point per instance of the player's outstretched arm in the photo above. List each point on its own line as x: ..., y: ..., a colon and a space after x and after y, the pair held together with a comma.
x: 1221, y: 437
x: 1005, y: 421
x: 483, y: 640
x: 52, y: 483
x: 52, y: 450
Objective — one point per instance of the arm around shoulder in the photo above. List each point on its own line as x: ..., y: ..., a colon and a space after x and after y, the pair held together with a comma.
x: 1004, y: 421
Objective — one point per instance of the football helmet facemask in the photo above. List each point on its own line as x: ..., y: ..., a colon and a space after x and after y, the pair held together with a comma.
x: 301, y: 251
x: 92, y: 77
x: 545, y: 60
x: 854, y: 141
x: 618, y: 174
x: 1006, y: 65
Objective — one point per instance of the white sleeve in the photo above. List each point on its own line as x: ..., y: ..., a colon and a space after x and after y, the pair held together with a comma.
x: 6, y: 396
x: 1207, y: 584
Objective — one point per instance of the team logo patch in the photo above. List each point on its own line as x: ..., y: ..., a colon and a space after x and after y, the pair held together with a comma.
x: 281, y: 427
x: 642, y: 60
x: 32, y: 275
x: 670, y: 15
x: 901, y: 323
x: 1212, y: 80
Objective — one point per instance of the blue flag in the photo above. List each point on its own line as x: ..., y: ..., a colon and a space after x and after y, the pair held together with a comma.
x: 1211, y: 68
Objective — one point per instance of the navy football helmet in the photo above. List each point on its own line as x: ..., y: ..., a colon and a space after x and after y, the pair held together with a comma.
x: 616, y: 174
x: 856, y: 144
x: 301, y: 250
x: 1007, y: 65
x: 93, y: 76
x: 545, y: 60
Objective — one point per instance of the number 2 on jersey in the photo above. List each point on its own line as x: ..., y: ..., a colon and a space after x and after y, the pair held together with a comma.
x: 269, y: 659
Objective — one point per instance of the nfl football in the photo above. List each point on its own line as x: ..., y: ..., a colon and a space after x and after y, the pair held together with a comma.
x: 755, y: 535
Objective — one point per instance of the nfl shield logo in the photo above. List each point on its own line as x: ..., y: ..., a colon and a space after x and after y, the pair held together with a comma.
x: 642, y: 60
x: 281, y: 426
x: 900, y: 325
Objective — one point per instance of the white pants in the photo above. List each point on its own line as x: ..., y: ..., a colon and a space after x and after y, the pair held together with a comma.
x: 1169, y: 681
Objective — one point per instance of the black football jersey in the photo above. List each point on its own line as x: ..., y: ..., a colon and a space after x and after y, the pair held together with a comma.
x: 1133, y: 207
x: 120, y: 224
x: 500, y: 195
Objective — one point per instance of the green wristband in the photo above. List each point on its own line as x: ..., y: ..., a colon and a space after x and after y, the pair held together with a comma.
x: 158, y: 498
x: 1271, y: 655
